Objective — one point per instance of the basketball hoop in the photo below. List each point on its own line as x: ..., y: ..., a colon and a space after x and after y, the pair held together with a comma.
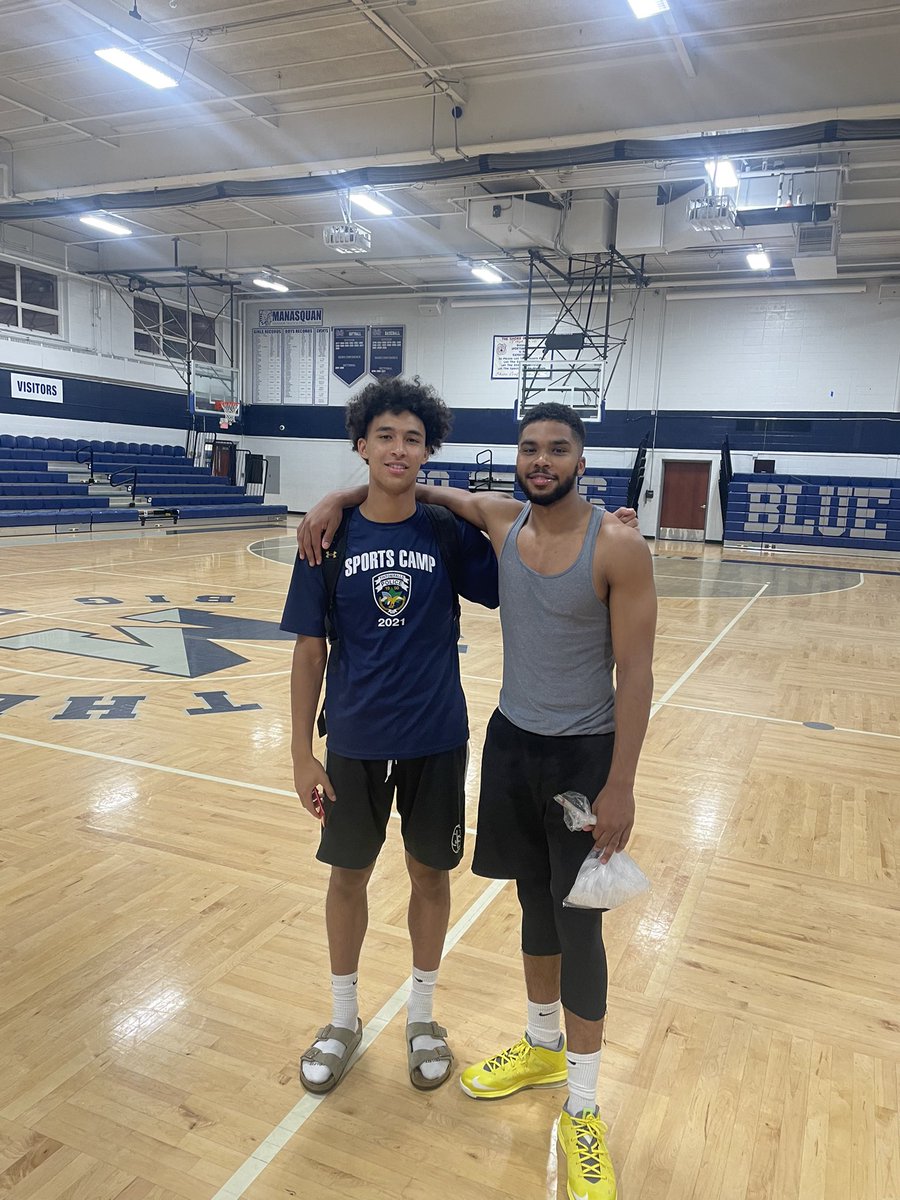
x: 229, y: 410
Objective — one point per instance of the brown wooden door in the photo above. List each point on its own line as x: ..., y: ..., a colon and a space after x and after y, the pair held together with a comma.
x: 223, y: 461
x: 684, y: 495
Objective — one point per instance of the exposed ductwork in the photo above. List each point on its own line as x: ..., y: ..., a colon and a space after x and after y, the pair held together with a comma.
x: 697, y: 149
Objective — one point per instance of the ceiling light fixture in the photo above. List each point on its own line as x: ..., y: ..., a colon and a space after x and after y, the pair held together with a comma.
x: 648, y: 8
x: 486, y: 273
x: 106, y: 223
x: 758, y: 260
x: 140, y: 70
x: 722, y: 173
x: 271, y: 285
x: 371, y: 203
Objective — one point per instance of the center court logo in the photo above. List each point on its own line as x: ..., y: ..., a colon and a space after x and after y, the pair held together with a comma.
x: 391, y: 590
x: 181, y: 642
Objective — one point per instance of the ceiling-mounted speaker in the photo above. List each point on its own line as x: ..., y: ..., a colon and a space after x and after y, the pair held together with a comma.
x: 431, y: 308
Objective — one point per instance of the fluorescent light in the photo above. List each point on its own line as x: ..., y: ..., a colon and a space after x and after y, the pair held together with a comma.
x: 722, y: 173
x: 272, y: 285
x: 486, y: 273
x: 371, y: 204
x: 758, y: 260
x: 127, y: 62
x: 648, y: 8
x: 107, y: 224
x: 775, y: 289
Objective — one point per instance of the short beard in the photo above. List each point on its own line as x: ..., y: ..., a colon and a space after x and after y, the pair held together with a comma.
x: 563, y: 487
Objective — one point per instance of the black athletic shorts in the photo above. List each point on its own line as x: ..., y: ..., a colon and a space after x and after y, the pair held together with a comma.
x: 521, y: 830
x: 431, y: 801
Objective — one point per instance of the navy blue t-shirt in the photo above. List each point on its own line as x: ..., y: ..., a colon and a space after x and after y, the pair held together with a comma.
x: 392, y: 688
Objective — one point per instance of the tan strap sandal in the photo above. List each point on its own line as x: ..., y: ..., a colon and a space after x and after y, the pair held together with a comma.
x: 415, y: 1058
x: 336, y: 1063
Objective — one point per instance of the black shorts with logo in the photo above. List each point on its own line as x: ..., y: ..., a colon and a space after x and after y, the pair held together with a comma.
x: 431, y: 802
x: 521, y: 830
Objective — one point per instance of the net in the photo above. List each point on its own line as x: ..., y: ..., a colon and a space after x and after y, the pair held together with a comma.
x: 228, y: 412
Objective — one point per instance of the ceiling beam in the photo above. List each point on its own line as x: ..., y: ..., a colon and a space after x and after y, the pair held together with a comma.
x: 678, y: 41
x: 417, y: 48
x: 57, y: 111
x: 113, y: 19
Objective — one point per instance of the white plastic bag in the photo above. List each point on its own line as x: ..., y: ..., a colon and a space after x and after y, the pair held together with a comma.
x: 606, y: 885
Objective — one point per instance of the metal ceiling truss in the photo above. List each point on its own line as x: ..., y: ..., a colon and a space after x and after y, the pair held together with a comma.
x: 583, y: 337
x: 189, y: 278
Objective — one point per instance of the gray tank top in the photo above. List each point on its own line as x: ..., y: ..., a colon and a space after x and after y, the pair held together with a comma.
x: 557, y: 649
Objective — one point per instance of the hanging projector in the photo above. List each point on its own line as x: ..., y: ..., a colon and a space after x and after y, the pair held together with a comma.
x: 348, y: 238
x: 713, y: 214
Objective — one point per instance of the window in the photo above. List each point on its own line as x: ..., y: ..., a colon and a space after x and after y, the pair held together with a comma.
x: 29, y: 299
x: 162, y: 329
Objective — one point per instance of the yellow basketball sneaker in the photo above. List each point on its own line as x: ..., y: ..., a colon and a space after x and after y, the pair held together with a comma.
x: 521, y: 1066
x: 590, y: 1174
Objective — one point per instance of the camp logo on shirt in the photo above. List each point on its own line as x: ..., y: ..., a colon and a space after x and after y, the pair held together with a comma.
x: 391, y: 590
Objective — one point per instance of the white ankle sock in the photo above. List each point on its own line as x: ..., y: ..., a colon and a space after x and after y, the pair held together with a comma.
x: 420, y: 1007
x: 583, y: 1072
x: 344, y: 1014
x: 543, y: 1027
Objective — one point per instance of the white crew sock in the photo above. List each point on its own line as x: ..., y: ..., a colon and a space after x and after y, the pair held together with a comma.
x: 344, y: 1014
x: 543, y: 1027
x: 583, y: 1072
x: 420, y: 1007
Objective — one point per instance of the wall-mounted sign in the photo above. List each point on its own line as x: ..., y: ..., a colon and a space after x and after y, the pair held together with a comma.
x: 386, y: 351
x: 509, y: 354
x: 36, y: 387
x: 348, y: 353
x: 290, y: 316
x: 289, y: 364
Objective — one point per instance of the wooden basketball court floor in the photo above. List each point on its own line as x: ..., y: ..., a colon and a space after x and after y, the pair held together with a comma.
x: 161, y: 912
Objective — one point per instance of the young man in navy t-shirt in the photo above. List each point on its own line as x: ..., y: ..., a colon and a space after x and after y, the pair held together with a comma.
x: 395, y: 715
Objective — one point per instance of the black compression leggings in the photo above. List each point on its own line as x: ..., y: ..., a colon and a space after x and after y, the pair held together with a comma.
x: 548, y: 928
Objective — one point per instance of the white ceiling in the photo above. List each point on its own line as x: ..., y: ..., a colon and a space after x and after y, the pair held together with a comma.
x: 279, y: 89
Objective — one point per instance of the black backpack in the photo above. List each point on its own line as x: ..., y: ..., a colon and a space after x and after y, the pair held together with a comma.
x: 449, y: 541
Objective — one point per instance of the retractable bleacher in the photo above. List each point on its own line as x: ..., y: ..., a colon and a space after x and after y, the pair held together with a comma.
x: 830, y: 513
x: 52, y: 485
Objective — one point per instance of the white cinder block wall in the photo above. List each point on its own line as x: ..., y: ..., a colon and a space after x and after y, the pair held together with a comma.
x: 836, y: 354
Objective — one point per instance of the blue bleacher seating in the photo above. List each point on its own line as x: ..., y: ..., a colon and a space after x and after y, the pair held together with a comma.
x: 32, y: 494
x: 823, y: 512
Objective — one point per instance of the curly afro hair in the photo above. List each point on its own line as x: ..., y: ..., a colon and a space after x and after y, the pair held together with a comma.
x: 396, y: 396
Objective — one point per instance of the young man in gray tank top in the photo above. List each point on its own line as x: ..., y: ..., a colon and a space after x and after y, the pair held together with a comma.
x: 576, y: 598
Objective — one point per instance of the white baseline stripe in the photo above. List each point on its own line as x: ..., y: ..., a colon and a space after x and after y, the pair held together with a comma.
x: 244, y: 1176
x: 729, y: 712
x: 148, y: 766
x: 701, y: 659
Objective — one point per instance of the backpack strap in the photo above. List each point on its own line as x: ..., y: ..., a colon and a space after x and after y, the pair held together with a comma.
x: 332, y: 565
x: 447, y: 535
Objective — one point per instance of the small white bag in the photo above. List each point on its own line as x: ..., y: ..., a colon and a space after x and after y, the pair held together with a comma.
x: 606, y: 885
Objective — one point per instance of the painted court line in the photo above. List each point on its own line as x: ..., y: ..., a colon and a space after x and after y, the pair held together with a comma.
x: 266, y: 1151
x: 149, y: 766
x: 701, y: 659
x: 93, y: 568
x: 728, y: 712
